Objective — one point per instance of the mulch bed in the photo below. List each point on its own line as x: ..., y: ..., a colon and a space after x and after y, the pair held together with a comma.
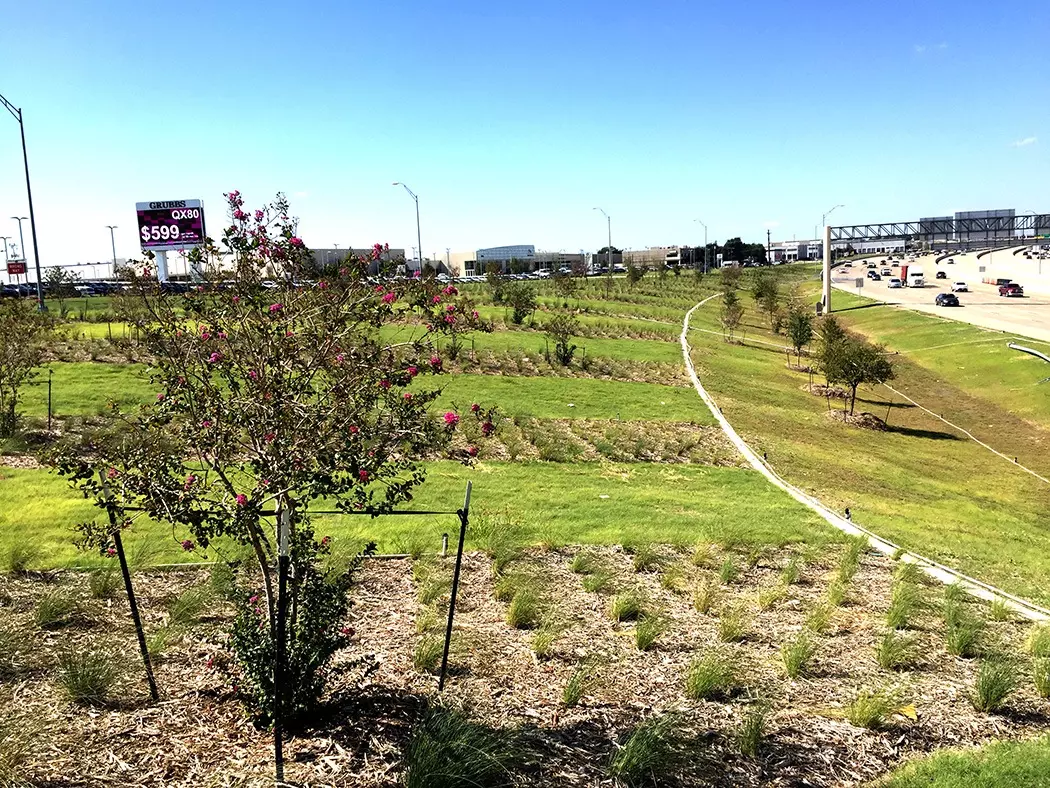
x: 200, y: 734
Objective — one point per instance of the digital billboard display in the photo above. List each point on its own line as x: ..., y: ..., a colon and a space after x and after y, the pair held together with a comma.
x: 167, y: 225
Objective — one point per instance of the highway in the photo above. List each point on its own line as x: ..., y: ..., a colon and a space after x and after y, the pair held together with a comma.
x: 982, y: 306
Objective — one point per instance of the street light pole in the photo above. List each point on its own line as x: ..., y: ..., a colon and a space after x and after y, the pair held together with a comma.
x: 5, y: 239
x: 608, y: 222
x: 826, y: 214
x: 419, y: 240
x: 705, y: 244
x: 113, y: 243
x: 17, y: 114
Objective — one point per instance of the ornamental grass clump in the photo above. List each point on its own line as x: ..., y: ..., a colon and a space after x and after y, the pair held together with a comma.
x: 729, y: 572
x: 187, y: 607
x: 1039, y: 640
x: 627, y: 605
x: 819, y: 618
x: 962, y: 632
x: 752, y: 729
x: 1041, y: 676
x: 792, y: 572
x: 996, y: 681
x: 599, y: 580
x: 895, y: 651
x: 88, y: 675
x: 905, y: 602
x: 57, y: 609
x: 732, y: 624
x: 448, y: 750
x: 872, y: 709
x: 797, y: 655
x: 525, y: 608
x: 650, y: 754
x: 645, y: 557
x: 268, y: 399
x: 582, y: 563
x: 710, y: 677
x: 706, y: 595
x: 576, y: 687
x: 768, y: 597
x: 648, y: 630
x: 426, y: 657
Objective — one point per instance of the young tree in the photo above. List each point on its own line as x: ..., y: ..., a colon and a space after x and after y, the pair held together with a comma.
x: 730, y: 278
x: 496, y: 280
x: 560, y: 330
x: 830, y: 342
x: 731, y: 313
x: 522, y: 300
x: 24, y: 332
x: 800, y: 330
x: 860, y: 363
x: 60, y: 284
x: 270, y: 400
x: 565, y: 284
x: 766, y: 292
x: 635, y: 273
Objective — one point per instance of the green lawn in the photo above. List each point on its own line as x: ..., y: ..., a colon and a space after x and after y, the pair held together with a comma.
x: 644, y: 502
x: 85, y: 388
x: 975, y: 359
x: 576, y: 398
x: 919, y: 484
x: 1013, y: 764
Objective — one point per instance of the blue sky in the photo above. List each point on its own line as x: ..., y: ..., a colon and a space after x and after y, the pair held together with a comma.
x: 512, y: 121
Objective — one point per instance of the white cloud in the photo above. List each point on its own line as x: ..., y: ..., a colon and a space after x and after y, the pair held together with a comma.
x: 919, y: 48
x: 942, y: 45
x: 1025, y: 141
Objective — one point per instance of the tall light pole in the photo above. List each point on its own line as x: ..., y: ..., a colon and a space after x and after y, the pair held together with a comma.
x: 5, y: 239
x: 113, y: 243
x: 608, y: 222
x: 17, y: 114
x: 705, y: 243
x: 21, y: 238
x: 419, y: 240
x: 826, y: 214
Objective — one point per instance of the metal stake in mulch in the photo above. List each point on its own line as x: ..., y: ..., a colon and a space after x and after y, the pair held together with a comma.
x: 284, y: 516
x: 119, y: 545
x: 464, y: 516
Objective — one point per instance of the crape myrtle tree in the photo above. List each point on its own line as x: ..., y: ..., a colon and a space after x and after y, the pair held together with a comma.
x: 271, y: 399
x: 24, y: 333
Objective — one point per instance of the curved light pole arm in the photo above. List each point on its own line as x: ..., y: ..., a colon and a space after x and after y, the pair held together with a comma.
x: 17, y: 114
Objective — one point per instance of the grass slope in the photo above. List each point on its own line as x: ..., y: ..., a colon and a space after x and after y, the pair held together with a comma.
x: 1019, y: 764
x: 919, y: 483
x: 645, y: 502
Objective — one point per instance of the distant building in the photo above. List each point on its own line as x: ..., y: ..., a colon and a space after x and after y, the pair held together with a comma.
x: 503, y: 256
x: 792, y: 251
x: 326, y: 257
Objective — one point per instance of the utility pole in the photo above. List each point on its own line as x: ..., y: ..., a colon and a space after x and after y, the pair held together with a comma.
x: 17, y: 114
x: 769, y: 247
x: 113, y: 243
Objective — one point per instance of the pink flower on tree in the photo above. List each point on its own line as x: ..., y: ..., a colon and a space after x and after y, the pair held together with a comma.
x: 111, y: 551
x: 239, y: 215
x: 296, y: 241
x: 380, y: 289
x: 215, y: 358
x: 362, y: 475
x: 450, y: 291
x: 451, y: 419
x: 160, y: 397
x: 472, y: 451
x: 253, y: 374
x: 236, y: 299
x: 450, y: 319
x: 259, y: 215
x: 475, y: 407
x: 339, y: 357
x: 436, y: 299
x: 205, y: 336
x: 412, y: 371
x: 435, y: 362
x: 206, y: 423
x: 407, y: 396
x: 112, y: 473
x: 242, y: 500
x: 384, y: 384
x: 269, y: 437
x: 354, y: 429
x: 389, y: 298
x: 487, y: 428
x: 276, y: 308
x: 187, y: 545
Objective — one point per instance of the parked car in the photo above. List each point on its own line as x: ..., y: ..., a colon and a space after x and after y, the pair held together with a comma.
x: 960, y: 287
x: 1012, y: 289
x: 942, y: 274
x: 894, y: 282
x: 946, y: 299
x: 950, y: 261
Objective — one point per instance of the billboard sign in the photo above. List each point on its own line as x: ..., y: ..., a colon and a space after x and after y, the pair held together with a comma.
x: 16, y: 267
x: 170, y: 224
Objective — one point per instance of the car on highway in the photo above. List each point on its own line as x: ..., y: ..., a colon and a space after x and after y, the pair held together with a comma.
x: 1012, y: 289
x: 887, y: 272
x: 874, y: 276
x: 894, y: 282
x: 942, y: 275
x: 960, y: 287
x: 950, y: 261
x: 946, y: 299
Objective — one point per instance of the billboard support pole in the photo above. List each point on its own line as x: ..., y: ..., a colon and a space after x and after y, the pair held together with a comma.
x: 162, y: 266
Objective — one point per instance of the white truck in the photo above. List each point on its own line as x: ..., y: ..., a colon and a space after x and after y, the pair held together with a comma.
x: 915, y: 277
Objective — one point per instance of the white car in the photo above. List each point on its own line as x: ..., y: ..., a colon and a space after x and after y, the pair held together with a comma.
x: 895, y: 282
x: 960, y: 287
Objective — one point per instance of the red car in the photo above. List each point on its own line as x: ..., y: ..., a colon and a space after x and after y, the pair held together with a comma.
x: 1011, y: 289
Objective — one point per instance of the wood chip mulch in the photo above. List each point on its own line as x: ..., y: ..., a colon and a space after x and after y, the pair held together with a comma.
x: 200, y: 734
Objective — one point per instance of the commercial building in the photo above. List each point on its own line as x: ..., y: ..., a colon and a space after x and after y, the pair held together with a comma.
x: 504, y: 256
x: 326, y: 257
x: 792, y: 251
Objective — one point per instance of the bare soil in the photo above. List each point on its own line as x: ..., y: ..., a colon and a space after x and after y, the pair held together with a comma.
x: 200, y: 733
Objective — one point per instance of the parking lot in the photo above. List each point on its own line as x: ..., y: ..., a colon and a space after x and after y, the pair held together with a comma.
x: 981, y: 306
